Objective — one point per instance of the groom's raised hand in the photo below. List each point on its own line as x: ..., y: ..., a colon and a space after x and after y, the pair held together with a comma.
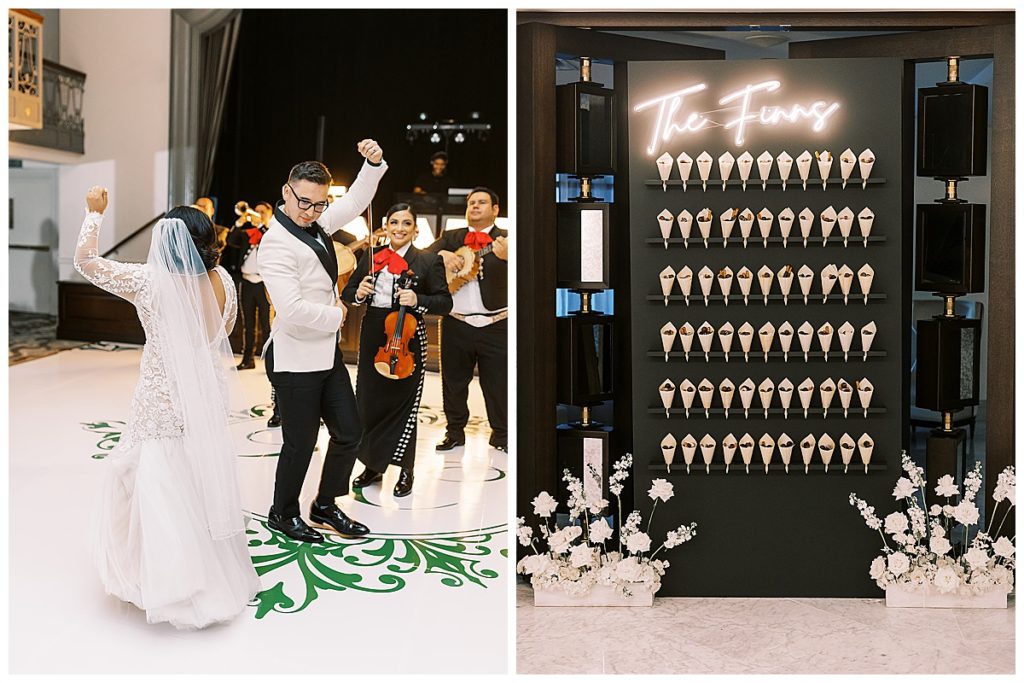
x: 370, y: 150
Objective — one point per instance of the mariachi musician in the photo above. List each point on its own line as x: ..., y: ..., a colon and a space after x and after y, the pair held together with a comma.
x: 397, y: 280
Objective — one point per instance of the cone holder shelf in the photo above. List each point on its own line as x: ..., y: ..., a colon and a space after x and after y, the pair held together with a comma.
x: 738, y: 469
x: 795, y: 413
x: 794, y: 242
x: 795, y: 299
x: 754, y: 184
x: 795, y: 356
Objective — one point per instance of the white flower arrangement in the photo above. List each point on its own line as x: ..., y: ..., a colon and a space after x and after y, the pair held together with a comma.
x: 922, y: 555
x: 578, y: 557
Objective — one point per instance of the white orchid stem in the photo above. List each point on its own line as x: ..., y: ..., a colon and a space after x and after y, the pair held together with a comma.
x: 1000, y: 527
x: 993, y: 518
x: 651, y: 518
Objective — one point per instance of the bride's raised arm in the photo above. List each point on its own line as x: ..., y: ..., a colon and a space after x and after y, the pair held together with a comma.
x: 122, y: 279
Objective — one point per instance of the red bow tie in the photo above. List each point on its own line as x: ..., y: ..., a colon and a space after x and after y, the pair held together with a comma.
x: 389, y: 258
x: 477, y: 240
x: 255, y: 235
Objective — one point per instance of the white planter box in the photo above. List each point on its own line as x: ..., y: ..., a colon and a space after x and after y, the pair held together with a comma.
x: 931, y: 597
x: 599, y: 596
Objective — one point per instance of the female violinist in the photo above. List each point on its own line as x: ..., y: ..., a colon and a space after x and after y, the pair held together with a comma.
x: 388, y: 407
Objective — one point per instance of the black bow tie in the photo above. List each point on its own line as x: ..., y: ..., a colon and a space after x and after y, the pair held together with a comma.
x: 311, y: 230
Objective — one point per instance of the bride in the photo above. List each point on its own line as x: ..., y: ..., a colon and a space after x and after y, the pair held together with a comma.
x: 170, y: 531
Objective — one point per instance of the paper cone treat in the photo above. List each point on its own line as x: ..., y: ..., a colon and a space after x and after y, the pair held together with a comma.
x: 725, y: 279
x: 725, y: 164
x: 806, y: 391
x: 806, y: 277
x: 704, y: 219
x: 684, y: 278
x: 705, y: 335
x: 785, y: 277
x: 685, y: 163
x: 867, y: 162
x: 668, y: 392
x: 824, y: 166
x: 668, y: 279
x: 746, y: 219
x: 827, y: 448
x: 828, y: 391
x: 766, y: 334
x: 685, y: 221
x: 706, y: 391
x: 664, y: 169
x: 704, y: 162
x: 764, y: 224
x: 846, y: 448
x: 845, y: 390
x: 785, y: 389
x: 825, y: 339
x: 845, y: 282
x: 745, y: 279
x: 847, y: 160
x: 866, y: 446
x: 865, y: 276
x: 726, y: 390
x: 686, y: 338
x: 786, y: 334
x: 845, y: 221
x: 746, y: 335
x: 747, y: 450
x: 707, y: 451
x: 865, y: 219
x: 807, y: 446
x: 829, y: 276
x: 728, y: 220
x: 764, y: 168
x: 785, y: 163
x: 744, y: 163
x: 803, y: 167
x: 668, y: 338
x: 729, y: 444
x: 747, y: 390
x: 668, y: 450
x: 665, y: 221
x: 765, y: 391
x: 846, y: 332
x: 785, y: 450
x: 688, y: 445
x: 766, y: 444
x: 786, y: 218
x: 806, y: 224
x: 867, y: 335
x: 687, y: 392
x: 725, y: 335
x: 865, y: 389
x: 806, y: 335
x: 828, y: 221
x: 707, y: 279
x: 764, y: 280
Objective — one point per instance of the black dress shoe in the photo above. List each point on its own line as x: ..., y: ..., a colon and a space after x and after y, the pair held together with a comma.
x: 404, y: 486
x: 275, y: 419
x: 500, y: 446
x: 449, y: 443
x: 365, y: 478
x: 246, y: 365
x: 294, y: 528
x: 332, y: 516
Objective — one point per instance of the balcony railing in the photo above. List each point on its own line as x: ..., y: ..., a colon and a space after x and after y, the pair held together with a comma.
x: 63, y: 125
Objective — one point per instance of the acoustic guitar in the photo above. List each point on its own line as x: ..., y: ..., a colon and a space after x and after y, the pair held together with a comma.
x: 347, y: 258
x: 471, y: 261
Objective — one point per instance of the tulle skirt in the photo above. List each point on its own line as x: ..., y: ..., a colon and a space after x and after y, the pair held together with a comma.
x: 152, y: 545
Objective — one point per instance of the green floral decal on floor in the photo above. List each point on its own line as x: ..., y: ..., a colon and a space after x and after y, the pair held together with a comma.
x: 378, y: 564
x: 110, y: 433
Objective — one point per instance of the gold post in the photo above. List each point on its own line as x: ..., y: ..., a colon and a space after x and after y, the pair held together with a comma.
x: 952, y: 69
x: 584, y: 302
x: 585, y: 418
x: 951, y: 189
x: 950, y: 305
x: 947, y: 421
x: 584, y: 187
x: 585, y: 69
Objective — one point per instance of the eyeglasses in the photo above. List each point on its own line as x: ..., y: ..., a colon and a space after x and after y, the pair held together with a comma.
x: 305, y: 204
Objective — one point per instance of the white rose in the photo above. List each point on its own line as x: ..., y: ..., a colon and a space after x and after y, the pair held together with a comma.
x: 596, y: 506
x: 525, y: 534
x: 638, y: 542
x: 581, y: 556
x: 939, y: 545
x: 946, y: 579
x: 600, y: 531
x: 877, y: 568
x: 898, y: 564
x: 1003, y: 547
x: 966, y: 513
x: 977, y: 558
x: 946, y: 487
x: 904, y: 488
x: 628, y: 570
x: 935, y: 510
x: 544, y: 504
x: 896, y: 523
x: 660, y: 488
x: 1001, y: 576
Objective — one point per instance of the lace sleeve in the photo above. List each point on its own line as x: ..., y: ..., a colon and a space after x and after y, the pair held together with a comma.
x: 230, y: 301
x: 122, y: 279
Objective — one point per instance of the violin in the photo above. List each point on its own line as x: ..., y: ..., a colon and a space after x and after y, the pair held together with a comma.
x: 394, y: 360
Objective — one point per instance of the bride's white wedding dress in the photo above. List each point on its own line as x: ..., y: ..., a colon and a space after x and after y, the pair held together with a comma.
x: 166, y: 539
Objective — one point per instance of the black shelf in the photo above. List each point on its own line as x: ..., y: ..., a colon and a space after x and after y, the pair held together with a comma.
x: 697, y: 356
x: 795, y: 413
x: 796, y: 467
x: 755, y: 184
x: 793, y: 242
x: 795, y: 299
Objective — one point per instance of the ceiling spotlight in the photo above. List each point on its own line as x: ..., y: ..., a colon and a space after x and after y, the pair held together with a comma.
x: 459, y: 137
x: 423, y: 116
x: 435, y: 138
x: 475, y: 115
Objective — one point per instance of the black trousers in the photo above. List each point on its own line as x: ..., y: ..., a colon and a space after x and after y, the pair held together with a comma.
x: 253, y: 299
x: 303, y: 398
x: 464, y: 347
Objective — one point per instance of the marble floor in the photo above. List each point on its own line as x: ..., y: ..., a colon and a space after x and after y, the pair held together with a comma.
x: 761, y: 636
x: 427, y: 592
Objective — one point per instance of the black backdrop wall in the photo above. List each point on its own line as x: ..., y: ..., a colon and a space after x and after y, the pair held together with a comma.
x: 370, y: 73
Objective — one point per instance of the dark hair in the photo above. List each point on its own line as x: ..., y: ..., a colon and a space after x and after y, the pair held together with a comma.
x: 204, y: 235
x: 313, y: 171
x: 401, y: 206
x: 439, y: 155
x: 491, y: 193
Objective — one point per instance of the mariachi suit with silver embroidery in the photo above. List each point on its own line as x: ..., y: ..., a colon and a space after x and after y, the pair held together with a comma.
x: 389, y: 408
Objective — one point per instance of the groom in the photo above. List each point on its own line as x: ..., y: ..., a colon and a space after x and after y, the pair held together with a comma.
x: 305, y: 367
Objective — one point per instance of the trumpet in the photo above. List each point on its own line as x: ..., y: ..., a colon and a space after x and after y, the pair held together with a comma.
x: 246, y: 215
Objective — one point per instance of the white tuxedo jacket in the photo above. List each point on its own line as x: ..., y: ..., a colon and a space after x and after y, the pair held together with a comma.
x: 301, y: 277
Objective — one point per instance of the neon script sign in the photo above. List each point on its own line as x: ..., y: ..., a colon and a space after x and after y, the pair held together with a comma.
x: 673, y: 121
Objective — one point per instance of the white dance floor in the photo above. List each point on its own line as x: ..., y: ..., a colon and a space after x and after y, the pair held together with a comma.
x: 427, y: 592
